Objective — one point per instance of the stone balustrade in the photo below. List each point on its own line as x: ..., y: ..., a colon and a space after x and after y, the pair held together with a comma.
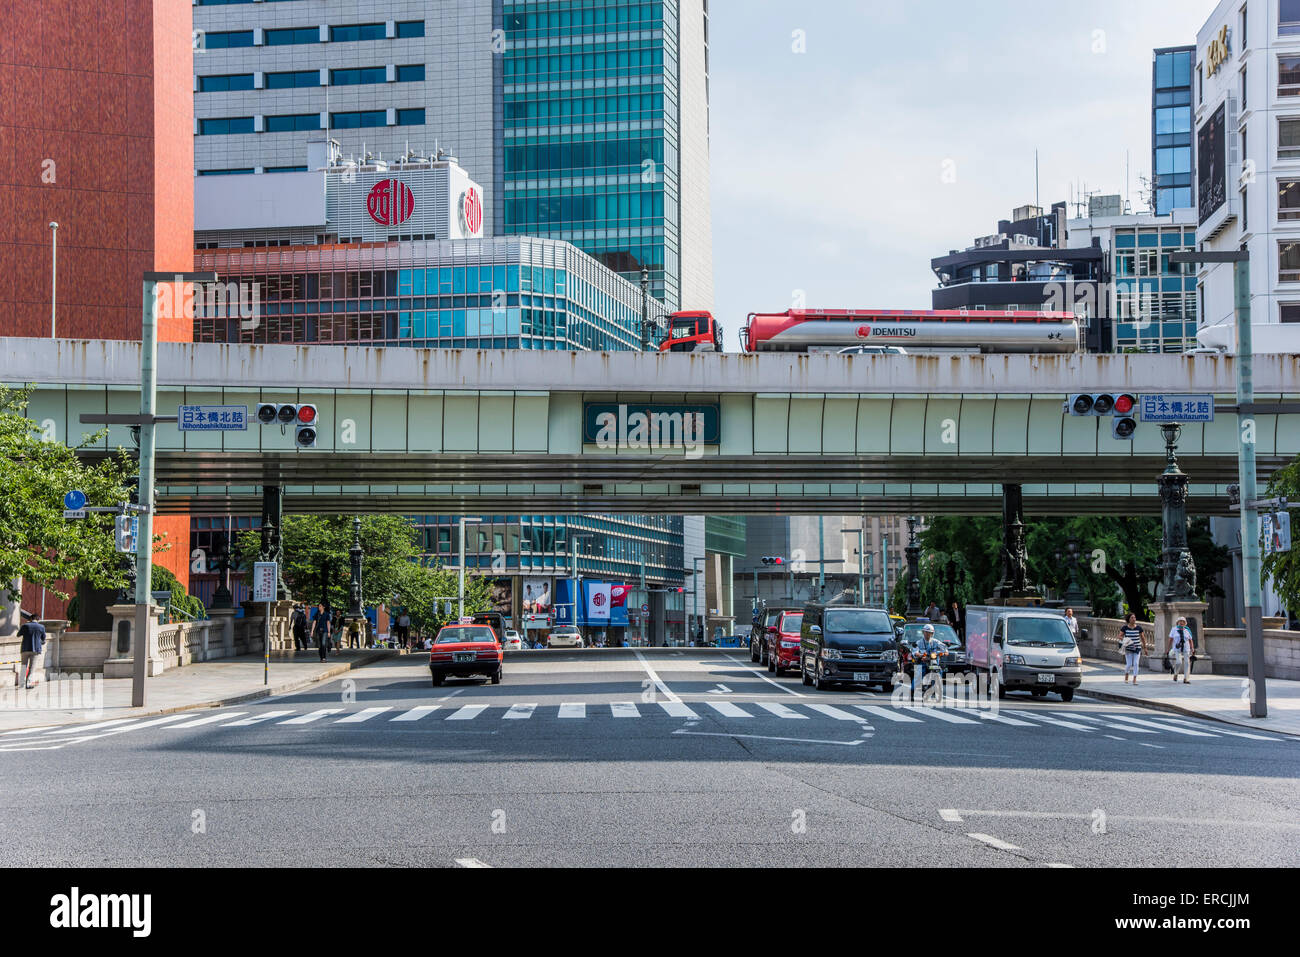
x: 1227, y: 648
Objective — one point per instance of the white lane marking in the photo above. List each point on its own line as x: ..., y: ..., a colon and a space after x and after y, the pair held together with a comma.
x: 1058, y: 864
x: 1166, y: 727
x: 467, y: 712
x: 1003, y: 719
x: 365, y: 715
x: 1106, y: 723
x: 764, y: 737
x: 211, y: 719
x: 573, y: 709
x: 91, y: 727
x: 729, y: 710
x: 1158, y: 747
x: 133, y: 727
x: 314, y: 716
x: 43, y: 727
x: 654, y: 676
x: 624, y: 709
x: 471, y: 862
x: 415, y: 714
x: 833, y: 712
x: 1073, y: 725
x: 944, y: 715
x: 44, y: 747
x: 257, y: 719
x: 888, y: 714
x: 757, y: 673
x: 993, y: 842
x: 452, y: 694
x: 1218, y: 730
x: 676, y: 709
x: 1116, y: 737
x: 781, y: 711
x: 519, y: 712
x: 950, y: 814
x: 720, y: 689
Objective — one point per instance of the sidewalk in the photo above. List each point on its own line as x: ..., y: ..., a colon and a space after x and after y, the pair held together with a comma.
x: 1218, y: 697
x: 206, y: 685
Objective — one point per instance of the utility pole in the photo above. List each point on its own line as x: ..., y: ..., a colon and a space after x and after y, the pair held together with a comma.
x: 54, y: 291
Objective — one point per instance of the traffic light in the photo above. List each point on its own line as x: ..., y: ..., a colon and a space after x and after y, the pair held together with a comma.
x: 773, y: 560
x: 1124, y: 421
x: 301, y: 417
x: 305, y: 436
x: 1121, y: 406
x: 1094, y: 403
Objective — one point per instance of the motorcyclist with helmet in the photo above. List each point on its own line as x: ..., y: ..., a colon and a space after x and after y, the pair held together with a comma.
x: 927, y: 655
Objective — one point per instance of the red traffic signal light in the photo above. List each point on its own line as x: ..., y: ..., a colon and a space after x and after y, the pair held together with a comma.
x: 306, y: 414
x: 1124, y: 404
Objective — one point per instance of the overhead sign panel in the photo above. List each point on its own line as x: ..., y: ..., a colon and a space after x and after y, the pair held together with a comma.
x: 1177, y: 408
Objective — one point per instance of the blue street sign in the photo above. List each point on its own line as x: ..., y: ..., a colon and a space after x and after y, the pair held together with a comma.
x: 1176, y: 408
x: 212, y: 418
x: 74, y: 500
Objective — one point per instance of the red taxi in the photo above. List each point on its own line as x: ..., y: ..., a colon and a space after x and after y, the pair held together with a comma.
x: 783, y: 642
x: 463, y: 650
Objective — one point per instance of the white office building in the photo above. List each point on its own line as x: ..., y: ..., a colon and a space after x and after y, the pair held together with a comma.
x: 1247, y: 103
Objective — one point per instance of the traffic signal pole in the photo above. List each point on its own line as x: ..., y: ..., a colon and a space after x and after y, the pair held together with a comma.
x: 144, y: 541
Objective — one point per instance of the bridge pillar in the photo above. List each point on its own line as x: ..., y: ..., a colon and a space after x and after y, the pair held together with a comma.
x: 272, y: 550
x: 913, y: 553
x: 1014, y: 586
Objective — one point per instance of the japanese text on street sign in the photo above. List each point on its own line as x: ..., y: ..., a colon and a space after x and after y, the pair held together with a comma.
x: 264, y: 581
x: 1177, y: 408
x: 212, y: 418
x: 1275, y: 529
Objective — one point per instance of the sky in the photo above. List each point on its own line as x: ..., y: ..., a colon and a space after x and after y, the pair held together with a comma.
x: 854, y: 140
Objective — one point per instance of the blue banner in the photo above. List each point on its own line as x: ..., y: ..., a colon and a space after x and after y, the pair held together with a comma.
x: 564, y: 602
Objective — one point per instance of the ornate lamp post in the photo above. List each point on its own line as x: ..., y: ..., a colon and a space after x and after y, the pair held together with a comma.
x: 913, y: 553
x: 221, y: 597
x: 1015, y: 556
x: 1177, y: 569
x: 355, y: 608
x: 1075, y: 597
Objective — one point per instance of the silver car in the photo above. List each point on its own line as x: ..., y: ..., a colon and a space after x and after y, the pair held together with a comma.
x: 565, y: 638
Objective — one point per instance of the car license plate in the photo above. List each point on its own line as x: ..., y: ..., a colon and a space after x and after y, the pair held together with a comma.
x: 862, y: 676
x: 1047, y: 679
x: 462, y: 656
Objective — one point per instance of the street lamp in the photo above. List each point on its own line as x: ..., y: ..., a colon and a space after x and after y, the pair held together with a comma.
x: 460, y: 589
x: 54, y: 278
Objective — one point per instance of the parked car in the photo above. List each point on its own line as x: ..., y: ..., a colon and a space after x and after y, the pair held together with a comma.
x: 463, y: 651
x: 955, y: 660
x: 764, y: 622
x: 847, y: 644
x: 513, y: 641
x: 1024, y: 649
x: 783, y: 642
x: 565, y: 638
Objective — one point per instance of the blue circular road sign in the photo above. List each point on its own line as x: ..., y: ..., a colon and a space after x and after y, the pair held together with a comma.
x: 74, y: 500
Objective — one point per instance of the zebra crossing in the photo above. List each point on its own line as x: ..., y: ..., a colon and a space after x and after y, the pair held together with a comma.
x: 863, y: 717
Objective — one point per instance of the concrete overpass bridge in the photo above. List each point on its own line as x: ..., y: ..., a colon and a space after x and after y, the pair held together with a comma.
x: 447, y: 431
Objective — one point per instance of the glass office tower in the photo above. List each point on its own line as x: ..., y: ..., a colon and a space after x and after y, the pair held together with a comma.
x: 1172, y: 161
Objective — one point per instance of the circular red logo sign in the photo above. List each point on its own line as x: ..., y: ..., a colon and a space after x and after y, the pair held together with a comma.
x: 598, y: 599
x: 471, y: 211
x: 390, y: 202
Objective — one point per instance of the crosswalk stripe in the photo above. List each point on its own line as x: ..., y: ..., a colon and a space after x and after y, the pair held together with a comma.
x: 1073, y: 725
x: 211, y: 719
x: 257, y: 719
x: 1168, y: 727
x: 944, y: 716
x: 781, y: 711
x: 168, y: 719
x: 314, y: 716
x: 360, y: 716
x: 1107, y: 723
x: 573, y: 709
x: 467, y: 712
x: 91, y: 727
x: 415, y: 714
x: 1003, y: 719
x: 677, y: 709
x: 36, y: 730
x: 520, y: 711
x: 728, y: 710
x: 624, y: 709
x: 888, y: 714
x: 1235, y: 734
x: 832, y: 712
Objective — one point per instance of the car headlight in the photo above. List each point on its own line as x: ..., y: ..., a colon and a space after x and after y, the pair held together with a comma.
x: 1073, y: 662
x: 830, y: 654
x: 1015, y: 659
x: 889, y: 656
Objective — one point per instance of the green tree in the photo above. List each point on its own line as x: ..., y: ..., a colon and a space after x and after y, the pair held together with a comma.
x: 1283, y: 568
x: 182, y: 601
x: 37, y: 544
x: 425, y: 589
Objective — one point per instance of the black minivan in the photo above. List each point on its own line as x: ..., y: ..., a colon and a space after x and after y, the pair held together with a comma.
x: 847, y: 644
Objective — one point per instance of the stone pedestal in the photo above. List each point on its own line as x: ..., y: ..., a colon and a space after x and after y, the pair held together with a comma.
x: 122, y: 647
x: 1167, y: 615
x: 222, y: 644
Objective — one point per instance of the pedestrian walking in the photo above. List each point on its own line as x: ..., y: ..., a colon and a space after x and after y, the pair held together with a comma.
x: 1072, y: 623
x: 933, y: 613
x: 957, y: 619
x: 404, y: 629
x: 1131, y: 643
x: 32, y: 635
x: 298, y: 623
x: 321, y: 632
x: 1183, y: 647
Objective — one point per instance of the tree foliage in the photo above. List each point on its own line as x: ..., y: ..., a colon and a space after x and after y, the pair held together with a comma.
x: 37, y: 543
x: 1284, y: 567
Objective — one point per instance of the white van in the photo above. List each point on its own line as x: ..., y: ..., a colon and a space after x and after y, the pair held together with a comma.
x: 1023, y: 649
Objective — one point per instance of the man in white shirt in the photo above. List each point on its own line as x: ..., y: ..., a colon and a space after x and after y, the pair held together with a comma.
x: 1181, y: 647
x: 1072, y: 623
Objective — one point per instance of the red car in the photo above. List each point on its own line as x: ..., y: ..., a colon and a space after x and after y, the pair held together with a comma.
x: 460, y: 651
x: 783, y: 642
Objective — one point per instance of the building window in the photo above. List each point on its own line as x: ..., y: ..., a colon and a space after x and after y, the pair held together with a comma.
x: 223, y: 84
x: 414, y: 117
x: 291, y: 36
x: 1288, y: 138
x: 1244, y: 103
x: 1288, y: 75
x: 1288, y: 199
x: 353, y: 32
x: 358, y: 76
x: 1288, y: 262
x: 1245, y: 211
x: 224, y: 125
x: 225, y: 40
x: 293, y: 123
x: 410, y: 28
x: 1289, y: 311
x: 1288, y: 17
x: 411, y: 74
x: 225, y: 172
x: 284, y: 81
x: 358, y: 120
x: 286, y: 169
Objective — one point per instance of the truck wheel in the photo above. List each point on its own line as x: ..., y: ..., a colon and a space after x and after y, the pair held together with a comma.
x: 753, y: 651
x: 819, y: 682
x: 1067, y: 694
x: 803, y: 674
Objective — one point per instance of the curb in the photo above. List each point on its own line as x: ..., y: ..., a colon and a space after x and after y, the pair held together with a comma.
x: 1177, y: 709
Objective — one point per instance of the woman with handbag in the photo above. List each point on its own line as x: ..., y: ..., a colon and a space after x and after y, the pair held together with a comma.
x: 1131, y: 643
